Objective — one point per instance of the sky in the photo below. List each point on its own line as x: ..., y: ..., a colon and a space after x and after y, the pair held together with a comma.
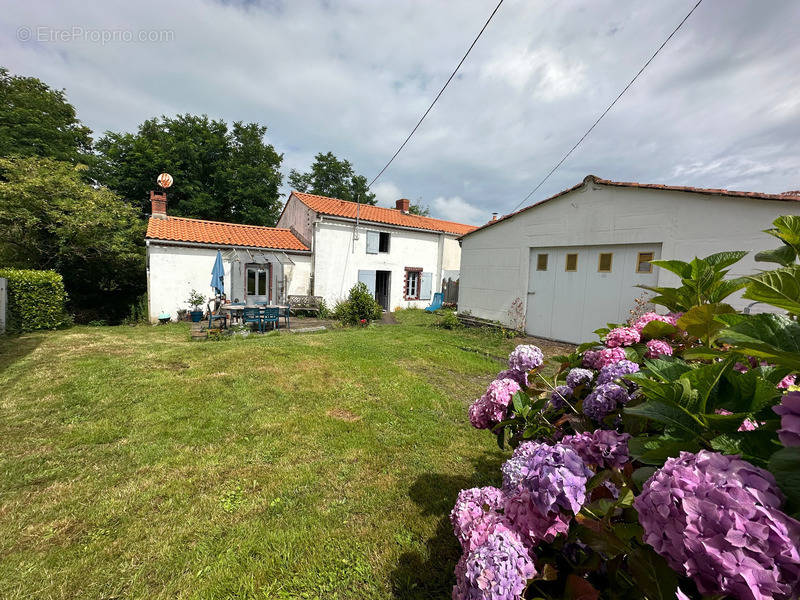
x: 719, y: 106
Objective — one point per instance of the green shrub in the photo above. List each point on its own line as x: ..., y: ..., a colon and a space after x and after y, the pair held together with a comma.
x: 36, y: 300
x: 449, y: 320
x: 359, y: 306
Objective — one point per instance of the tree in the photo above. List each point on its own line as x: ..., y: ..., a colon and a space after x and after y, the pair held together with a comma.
x: 36, y: 120
x: 332, y: 177
x: 418, y: 208
x: 52, y: 219
x: 220, y: 173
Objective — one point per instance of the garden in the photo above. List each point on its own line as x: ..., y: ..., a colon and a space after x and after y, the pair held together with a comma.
x: 139, y: 464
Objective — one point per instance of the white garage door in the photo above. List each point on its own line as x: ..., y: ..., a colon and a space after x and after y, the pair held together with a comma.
x: 573, y: 290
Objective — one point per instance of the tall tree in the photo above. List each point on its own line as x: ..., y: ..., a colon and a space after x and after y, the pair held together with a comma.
x: 418, y: 208
x: 36, y: 120
x: 220, y: 173
x: 332, y: 177
x: 52, y: 218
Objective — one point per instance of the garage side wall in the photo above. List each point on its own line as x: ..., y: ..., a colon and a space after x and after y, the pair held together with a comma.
x: 494, y: 261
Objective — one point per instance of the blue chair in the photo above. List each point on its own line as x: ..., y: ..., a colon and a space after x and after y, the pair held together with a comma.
x: 438, y: 297
x: 270, y: 315
x: 252, y: 315
x: 286, y: 314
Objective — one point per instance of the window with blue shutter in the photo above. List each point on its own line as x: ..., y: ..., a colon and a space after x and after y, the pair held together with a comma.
x: 368, y: 278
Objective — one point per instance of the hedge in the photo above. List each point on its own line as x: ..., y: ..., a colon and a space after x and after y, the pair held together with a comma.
x: 35, y: 300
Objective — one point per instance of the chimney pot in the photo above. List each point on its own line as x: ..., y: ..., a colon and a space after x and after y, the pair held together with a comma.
x: 403, y: 205
x: 494, y: 217
x: 158, y: 204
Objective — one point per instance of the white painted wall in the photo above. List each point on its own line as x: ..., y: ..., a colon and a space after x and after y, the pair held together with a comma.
x: 494, y: 261
x: 338, y: 258
x: 174, y: 271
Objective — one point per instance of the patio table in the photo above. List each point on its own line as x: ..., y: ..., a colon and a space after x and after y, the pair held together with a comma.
x: 236, y: 310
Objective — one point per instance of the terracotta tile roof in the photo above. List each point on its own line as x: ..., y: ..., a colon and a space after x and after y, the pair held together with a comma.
x: 179, y: 229
x: 378, y: 214
x: 791, y: 196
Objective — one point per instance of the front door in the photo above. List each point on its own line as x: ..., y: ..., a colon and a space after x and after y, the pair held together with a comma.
x: 382, y: 279
x: 258, y: 284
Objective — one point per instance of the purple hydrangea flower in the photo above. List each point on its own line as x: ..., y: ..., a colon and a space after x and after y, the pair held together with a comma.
x: 789, y: 410
x: 597, y: 359
x: 560, y: 396
x: 601, y: 448
x: 499, y: 569
x: 532, y: 526
x: 716, y: 519
x: 604, y: 400
x: 521, y: 377
x: 476, y: 514
x: 610, y: 373
x: 656, y: 348
x: 554, y: 476
x: 525, y: 357
x: 622, y: 336
x: 578, y: 377
x: 500, y: 391
x: 640, y: 323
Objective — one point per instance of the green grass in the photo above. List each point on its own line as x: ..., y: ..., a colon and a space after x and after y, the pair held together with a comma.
x: 137, y: 464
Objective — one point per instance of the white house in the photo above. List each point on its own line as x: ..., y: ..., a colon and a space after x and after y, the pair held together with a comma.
x: 261, y: 263
x: 569, y: 264
x: 322, y: 246
x: 401, y: 257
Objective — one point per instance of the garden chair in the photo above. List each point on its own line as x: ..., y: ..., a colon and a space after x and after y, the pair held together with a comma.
x: 270, y: 315
x: 286, y: 314
x: 438, y: 297
x: 252, y: 315
x: 215, y: 312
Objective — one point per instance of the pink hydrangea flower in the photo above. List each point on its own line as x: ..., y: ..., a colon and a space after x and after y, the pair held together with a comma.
x: 490, y: 409
x: 787, y: 382
x: 597, y: 359
x: 789, y: 411
x: 500, y: 391
x: 477, y: 512
x: 656, y: 348
x: 622, y: 336
x: 646, y: 318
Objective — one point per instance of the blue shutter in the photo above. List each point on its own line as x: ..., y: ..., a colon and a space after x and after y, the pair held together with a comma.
x: 425, y: 284
x: 368, y: 278
x: 373, y: 241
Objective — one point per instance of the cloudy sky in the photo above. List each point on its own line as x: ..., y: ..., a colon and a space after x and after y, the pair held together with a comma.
x: 719, y: 107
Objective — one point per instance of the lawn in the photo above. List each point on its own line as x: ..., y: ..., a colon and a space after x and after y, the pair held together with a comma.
x: 138, y: 464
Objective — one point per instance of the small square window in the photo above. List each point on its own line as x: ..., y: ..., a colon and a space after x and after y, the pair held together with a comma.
x: 572, y: 262
x: 643, y: 262
x: 604, y: 264
x: 541, y: 262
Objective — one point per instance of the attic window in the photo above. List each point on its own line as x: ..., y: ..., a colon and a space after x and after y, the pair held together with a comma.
x: 541, y: 262
x: 604, y: 263
x: 643, y: 262
x: 572, y: 262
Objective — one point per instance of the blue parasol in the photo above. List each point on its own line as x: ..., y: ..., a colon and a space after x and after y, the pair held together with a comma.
x: 218, y: 275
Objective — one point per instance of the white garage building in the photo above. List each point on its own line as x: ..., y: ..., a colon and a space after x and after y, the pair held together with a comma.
x: 569, y: 264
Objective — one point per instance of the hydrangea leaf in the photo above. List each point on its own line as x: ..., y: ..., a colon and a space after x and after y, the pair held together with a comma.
x: 641, y: 475
x: 655, y: 450
x: 775, y: 338
x: 704, y: 379
x: 666, y: 369
x: 787, y: 229
x: 785, y: 466
x: 784, y: 256
x: 700, y: 321
x: 780, y: 288
x: 578, y: 588
x: 652, y: 574
x: 658, y: 329
x: 720, y: 260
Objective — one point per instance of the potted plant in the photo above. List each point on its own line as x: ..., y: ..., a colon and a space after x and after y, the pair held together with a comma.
x: 196, y: 300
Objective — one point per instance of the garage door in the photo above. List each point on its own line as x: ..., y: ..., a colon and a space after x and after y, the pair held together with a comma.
x: 573, y: 290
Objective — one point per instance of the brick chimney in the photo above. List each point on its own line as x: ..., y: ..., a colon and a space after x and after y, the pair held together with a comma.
x: 158, y: 203
x: 403, y: 205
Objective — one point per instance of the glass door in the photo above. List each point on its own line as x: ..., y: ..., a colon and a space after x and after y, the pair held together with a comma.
x: 258, y: 283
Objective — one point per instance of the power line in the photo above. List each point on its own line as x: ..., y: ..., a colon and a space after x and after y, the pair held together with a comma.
x: 441, y: 91
x: 610, y: 106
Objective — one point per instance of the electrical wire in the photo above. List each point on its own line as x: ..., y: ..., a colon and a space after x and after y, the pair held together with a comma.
x: 610, y: 106
x: 441, y: 91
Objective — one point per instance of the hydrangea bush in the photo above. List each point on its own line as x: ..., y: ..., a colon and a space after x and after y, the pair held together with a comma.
x: 660, y: 461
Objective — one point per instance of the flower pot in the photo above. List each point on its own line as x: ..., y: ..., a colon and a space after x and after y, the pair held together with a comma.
x: 197, y: 316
